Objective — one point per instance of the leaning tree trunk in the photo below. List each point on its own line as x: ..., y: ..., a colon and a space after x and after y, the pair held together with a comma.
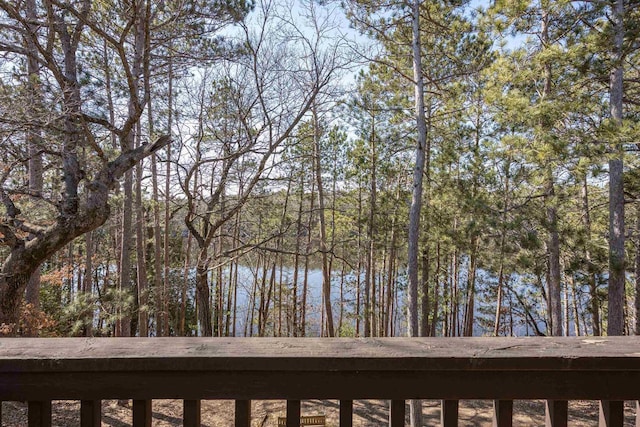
x: 26, y: 256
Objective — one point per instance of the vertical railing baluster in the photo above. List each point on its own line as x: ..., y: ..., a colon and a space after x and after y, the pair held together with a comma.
x: 243, y: 413
x: 293, y: 413
x: 502, y: 413
x: 191, y: 413
x: 398, y: 413
x: 556, y: 413
x: 637, y: 413
x: 612, y: 413
x: 90, y: 413
x: 39, y: 413
x: 449, y: 413
x: 142, y: 413
x: 346, y: 413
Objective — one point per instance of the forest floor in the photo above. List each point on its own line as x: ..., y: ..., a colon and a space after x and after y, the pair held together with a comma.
x: 370, y: 413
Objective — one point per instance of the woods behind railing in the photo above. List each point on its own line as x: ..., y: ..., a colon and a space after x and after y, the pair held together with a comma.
x: 294, y: 369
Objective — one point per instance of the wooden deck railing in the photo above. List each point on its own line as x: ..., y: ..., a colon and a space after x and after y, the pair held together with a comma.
x: 397, y: 369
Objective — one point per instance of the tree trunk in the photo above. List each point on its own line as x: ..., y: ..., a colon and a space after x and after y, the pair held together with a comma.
x: 183, y: 297
x: 553, y: 241
x: 553, y: 252
x: 591, y: 274
x: 155, y: 198
x: 25, y: 258
x: 471, y: 290
x: 359, y: 309
x: 575, y: 307
x: 416, y: 199
x: 391, y: 265
x: 143, y: 297
x: 87, y: 284
x: 496, y: 323
x: 326, y: 274
x: 425, y: 299
x: 342, y: 299
x: 615, y: 323
x: 124, y: 324
x: 370, y: 269
x: 296, y: 258
x: 164, y: 310
x: 503, y: 239
x: 436, y: 291
x: 637, y: 272
x: 203, y: 295
x: 280, y: 256
x: 307, y: 256
x: 235, y: 266
x: 34, y: 140
x: 455, y: 286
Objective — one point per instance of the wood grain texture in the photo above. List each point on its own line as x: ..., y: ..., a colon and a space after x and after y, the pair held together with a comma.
x: 502, y: 413
x: 346, y: 413
x: 449, y: 413
x: 91, y: 413
x: 611, y: 414
x: 39, y: 413
x: 293, y: 413
x: 243, y: 413
x: 308, y: 368
x: 191, y: 413
x: 142, y: 413
x: 398, y: 413
x: 556, y: 413
x: 480, y: 353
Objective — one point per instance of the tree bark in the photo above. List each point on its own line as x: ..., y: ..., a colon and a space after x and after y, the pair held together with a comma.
x: 615, y: 323
x: 296, y: 258
x: 143, y: 297
x: 25, y: 257
x: 503, y: 238
x: 126, y: 286
x: 76, y: 216
x: 471, y: 290
x: 591, y: 274
x: 307, y: 256
x: 370, y: 269
x: 164, y: 309
x: 34, y: 139
x: 326, y: 274
x: 203, y: 294
x: 416, y: 199
x: 553, y: 241
x: 637, y: 272
x: 553, y: 252
x: 87, y: 284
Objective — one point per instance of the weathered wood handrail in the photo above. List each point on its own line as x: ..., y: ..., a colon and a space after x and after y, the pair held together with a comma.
x: 293, y: 369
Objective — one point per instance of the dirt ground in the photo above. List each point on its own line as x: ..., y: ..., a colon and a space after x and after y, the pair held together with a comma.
x: 371, y: 413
